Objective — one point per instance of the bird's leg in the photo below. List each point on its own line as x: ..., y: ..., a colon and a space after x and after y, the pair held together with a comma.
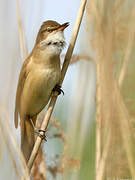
x: 58, y: 89
x: 37, y: 131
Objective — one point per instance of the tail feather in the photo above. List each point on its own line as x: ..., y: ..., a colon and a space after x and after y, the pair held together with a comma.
x: 27, y: 138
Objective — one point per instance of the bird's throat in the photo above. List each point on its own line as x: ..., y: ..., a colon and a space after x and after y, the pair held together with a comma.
x: 53, y: 44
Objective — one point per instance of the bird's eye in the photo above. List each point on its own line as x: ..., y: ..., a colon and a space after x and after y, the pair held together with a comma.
x: 49, y: 30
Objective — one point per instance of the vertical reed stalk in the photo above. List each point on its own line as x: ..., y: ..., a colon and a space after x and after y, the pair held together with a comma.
x: 63, y: 72
x: 21, y: 32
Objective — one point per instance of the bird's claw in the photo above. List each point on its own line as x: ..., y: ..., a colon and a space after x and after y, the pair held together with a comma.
x: 42, y: 136
x: 58, y: 89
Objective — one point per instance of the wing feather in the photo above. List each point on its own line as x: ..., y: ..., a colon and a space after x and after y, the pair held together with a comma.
x: 21, y: 82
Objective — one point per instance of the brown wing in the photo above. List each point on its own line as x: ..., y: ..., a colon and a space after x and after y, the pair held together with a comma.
x: 20, y: 86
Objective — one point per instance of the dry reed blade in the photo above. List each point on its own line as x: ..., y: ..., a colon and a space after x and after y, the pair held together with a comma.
x: 4, y: 126
x: 102, y: 164
x: 128, y: 49
x: 125, y: 126
x: 124, y: 111
x: 63, y: 72
x: 21, y: 32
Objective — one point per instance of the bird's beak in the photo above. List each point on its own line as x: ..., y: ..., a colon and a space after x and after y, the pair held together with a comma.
x: 63, y: 26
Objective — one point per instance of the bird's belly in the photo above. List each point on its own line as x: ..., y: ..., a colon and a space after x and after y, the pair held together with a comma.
x: 37, y: 90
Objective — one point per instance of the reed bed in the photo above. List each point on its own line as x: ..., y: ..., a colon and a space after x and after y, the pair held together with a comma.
x: 113, y: 43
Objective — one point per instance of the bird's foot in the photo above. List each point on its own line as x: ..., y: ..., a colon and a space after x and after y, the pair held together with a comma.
x: 58, y: 89
x: 38, y: 132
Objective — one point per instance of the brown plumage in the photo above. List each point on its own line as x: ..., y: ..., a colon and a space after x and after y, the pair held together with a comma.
x: 39, y: 75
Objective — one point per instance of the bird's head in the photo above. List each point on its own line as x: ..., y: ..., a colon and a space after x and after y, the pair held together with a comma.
x: 51, y: 37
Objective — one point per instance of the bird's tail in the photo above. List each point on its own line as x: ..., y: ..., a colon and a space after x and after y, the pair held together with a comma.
x: 27, y: 137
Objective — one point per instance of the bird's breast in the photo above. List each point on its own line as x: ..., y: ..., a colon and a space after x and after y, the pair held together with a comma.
x: 38, y: 88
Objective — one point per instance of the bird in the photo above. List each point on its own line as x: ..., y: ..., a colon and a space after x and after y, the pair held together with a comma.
x: 39, y: 76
